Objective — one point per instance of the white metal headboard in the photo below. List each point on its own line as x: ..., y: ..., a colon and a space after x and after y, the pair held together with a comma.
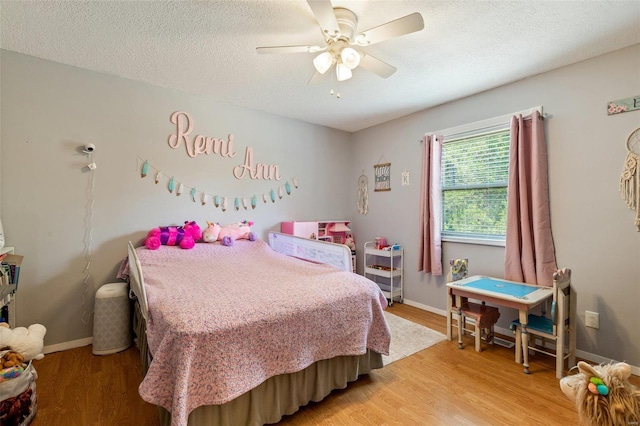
x: 337, y: 255
x: 137, y: 281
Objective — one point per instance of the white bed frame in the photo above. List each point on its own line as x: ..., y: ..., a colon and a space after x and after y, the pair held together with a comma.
x: 337, y: 255
x: 136, y: 281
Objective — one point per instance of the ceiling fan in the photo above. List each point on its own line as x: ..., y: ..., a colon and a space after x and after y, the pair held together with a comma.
x: 339, y: 26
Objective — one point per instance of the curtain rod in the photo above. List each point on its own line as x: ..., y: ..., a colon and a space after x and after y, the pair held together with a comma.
x: 486, y: 124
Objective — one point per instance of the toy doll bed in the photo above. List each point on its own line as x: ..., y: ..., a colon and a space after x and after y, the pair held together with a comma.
x: 243, y: 335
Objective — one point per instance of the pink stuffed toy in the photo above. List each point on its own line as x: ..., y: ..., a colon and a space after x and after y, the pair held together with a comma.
x: 236, y: 231
x: 210, y: 235
x: 184, y: 236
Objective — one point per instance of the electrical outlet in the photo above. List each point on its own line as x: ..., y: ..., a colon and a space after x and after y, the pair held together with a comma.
x: 592, y: 319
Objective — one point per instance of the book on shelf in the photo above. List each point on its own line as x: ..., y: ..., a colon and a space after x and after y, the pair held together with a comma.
x: 5, y: 274
x: 10, y: 268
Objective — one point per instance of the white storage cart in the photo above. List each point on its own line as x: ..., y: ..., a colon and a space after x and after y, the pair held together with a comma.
x: 384, y: 267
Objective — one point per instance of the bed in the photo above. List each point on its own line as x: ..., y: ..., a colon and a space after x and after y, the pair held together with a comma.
x: 243, y: 335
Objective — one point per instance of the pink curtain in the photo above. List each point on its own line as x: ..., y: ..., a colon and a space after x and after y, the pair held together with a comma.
x: 430, y: 245
x: 530, y: 253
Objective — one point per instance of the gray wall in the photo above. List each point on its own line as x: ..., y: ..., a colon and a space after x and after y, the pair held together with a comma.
x: 49, y: 111
x: 593, y: 229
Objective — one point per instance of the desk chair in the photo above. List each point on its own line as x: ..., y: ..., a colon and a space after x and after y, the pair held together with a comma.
x: 483, y: 316
x: 557, y: 327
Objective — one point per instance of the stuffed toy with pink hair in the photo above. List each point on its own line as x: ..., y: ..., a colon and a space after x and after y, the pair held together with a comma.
x: 236, y: 231
x: 184, y: 236
x: 211, y: 233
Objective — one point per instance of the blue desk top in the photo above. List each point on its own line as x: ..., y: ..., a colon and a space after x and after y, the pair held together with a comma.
x: 502, y: 289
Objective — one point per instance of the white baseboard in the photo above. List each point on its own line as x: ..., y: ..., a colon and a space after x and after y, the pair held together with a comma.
x: 597, y: 359
x: 68, y: 345
x: 425, y: 307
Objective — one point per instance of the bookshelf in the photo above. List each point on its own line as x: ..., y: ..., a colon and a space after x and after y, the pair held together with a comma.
x: 9, y: 284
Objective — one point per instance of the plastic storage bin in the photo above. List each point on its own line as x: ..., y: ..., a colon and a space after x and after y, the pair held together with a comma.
x: 112, y: 319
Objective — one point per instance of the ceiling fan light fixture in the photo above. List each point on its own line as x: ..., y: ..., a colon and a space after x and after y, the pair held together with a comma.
x: 323, y: 62
x: 350, y: 57
x: 343, y: 72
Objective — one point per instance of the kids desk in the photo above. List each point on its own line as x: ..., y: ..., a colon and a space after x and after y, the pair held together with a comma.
x: 520, y: 296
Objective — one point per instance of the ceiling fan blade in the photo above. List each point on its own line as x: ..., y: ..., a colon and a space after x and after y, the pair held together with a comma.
x: 399, y: 27
x: 289, y: 49
x: 323, y: 11
x: 376, y: 66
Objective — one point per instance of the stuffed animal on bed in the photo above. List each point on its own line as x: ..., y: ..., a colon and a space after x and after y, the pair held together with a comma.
x: 236, y: 231
x: 184, y: 236
x: 210, y: 234
x: 603, y: 394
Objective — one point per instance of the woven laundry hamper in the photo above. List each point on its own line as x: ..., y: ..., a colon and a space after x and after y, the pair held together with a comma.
x: 18, y: 400
x: 112, y: 319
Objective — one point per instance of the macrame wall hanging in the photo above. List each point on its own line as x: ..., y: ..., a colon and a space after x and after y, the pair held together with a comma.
x: 630, y: 178
x: 363, y: 193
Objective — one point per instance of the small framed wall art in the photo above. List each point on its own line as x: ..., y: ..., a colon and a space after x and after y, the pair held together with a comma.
x: 382, y: 176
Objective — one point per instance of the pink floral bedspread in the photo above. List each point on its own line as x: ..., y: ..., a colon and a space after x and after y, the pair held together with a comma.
x: 225, y: 319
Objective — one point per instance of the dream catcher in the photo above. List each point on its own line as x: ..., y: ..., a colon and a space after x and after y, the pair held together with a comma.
x: 363, y: 194
x: 630, y: 178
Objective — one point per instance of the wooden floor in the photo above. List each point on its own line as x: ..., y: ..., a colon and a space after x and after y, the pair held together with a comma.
x: 441, y: 385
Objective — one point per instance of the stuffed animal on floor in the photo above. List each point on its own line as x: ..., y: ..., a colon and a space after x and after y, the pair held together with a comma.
x: 15, y: 410
x: 9, y: 358
x: 184, y: 236
x: 28, y: 342
x: 210, y: 234
x: 603, y: 394
x: 10, y: 373
x: 236, y: 231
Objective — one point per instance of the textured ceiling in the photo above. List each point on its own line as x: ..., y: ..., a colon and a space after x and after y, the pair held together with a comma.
x: 208, y: 48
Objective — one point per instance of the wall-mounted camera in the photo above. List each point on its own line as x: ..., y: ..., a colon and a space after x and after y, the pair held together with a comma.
x: 89, y: 148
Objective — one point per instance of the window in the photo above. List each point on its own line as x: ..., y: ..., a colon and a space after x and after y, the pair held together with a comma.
x: 475, y: 173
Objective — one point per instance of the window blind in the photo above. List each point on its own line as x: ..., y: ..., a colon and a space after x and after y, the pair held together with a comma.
x: 475, y: 173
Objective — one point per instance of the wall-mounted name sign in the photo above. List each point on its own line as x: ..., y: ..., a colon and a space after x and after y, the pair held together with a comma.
x: 623, y: 105
x: 200, y: 144
x: 257, y: 171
